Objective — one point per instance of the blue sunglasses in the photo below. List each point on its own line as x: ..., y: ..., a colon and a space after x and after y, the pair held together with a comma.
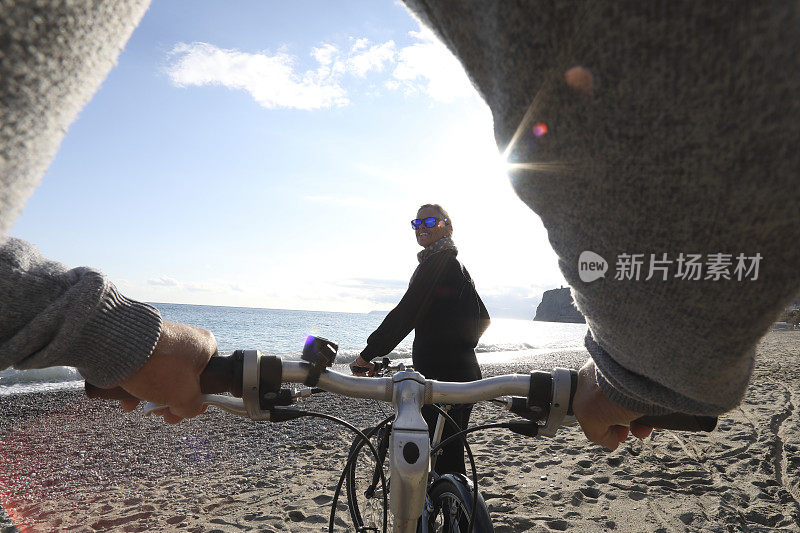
x: 429, y: 222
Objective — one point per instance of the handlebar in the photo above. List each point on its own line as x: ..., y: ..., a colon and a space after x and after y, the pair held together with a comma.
x: 254, y: 383
x: 542, y: 396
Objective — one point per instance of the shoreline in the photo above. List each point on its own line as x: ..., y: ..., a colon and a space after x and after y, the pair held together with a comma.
x: 68, y: 463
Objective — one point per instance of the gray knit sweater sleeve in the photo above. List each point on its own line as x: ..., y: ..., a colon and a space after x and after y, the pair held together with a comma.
x: 53, y: 316
x: 53, y: 57
x: 677, y: 137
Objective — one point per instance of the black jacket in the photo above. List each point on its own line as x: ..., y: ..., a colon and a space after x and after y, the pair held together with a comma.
x: 448, y: 317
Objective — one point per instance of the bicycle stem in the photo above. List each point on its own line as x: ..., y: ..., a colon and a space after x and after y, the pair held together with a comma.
x: 410, y: 451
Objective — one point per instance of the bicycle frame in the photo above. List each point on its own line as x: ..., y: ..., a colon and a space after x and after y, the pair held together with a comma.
x: 437, y: 434
x: 410, y: 451
x: 383, y: 448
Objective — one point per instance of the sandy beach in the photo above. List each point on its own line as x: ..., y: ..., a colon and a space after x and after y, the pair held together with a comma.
x: 71, y: 464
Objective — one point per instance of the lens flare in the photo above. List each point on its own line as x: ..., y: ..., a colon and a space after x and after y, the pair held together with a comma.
x: 10, y: 505
x: 539, y: 129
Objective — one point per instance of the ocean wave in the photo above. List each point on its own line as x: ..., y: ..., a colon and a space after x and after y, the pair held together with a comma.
x: 56, y: 374
x: 504, y: 347
x: 27, y: 388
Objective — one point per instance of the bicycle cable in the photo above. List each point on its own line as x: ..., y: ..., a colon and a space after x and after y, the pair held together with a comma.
x: 351, y: 464
x: 298, y: 413
x: 462, y: 435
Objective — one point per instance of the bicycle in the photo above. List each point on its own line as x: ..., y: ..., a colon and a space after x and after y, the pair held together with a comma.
x: 451, y: 501
x: 542, y: 399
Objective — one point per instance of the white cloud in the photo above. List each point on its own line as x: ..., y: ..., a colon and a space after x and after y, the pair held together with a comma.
x: 429, y: 67
x: 364, y: 58
x: 372, y: 293
x: 325, y: 54
x: 200, y: 287
x: 271, y: 79
x: 208, y: 286
x: 359, y: 44
x: 275, y: 81
x: 163, y: 281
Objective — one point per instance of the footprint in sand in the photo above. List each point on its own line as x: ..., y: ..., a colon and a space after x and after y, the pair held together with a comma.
x: 590, y: 492
x: 105, y: 523
x: 558, y: 525
x: 322, y: 499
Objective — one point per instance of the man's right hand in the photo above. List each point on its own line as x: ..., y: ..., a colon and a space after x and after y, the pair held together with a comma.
x: 171, y: 376
x: 603, y: 422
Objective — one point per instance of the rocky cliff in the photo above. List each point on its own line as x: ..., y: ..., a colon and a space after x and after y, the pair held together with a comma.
x: 557, y: 306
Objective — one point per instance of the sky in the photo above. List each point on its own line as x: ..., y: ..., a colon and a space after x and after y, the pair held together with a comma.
x: 272, y: 155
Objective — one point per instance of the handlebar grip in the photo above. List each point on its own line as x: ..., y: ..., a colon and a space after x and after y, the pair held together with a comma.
x: 97, y: 393
x: 680, y: 422
x: 221, y: 374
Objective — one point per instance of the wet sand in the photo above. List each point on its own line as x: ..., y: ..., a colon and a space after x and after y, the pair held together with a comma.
x: 70, y: 464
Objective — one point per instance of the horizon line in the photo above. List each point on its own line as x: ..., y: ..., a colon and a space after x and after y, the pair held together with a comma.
x: 270, y: 308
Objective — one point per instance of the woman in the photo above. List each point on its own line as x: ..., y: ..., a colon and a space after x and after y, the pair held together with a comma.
x: 447, y: 316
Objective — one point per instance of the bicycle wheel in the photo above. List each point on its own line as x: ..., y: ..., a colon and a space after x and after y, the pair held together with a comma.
x: 363, y: 485
x: 449, y: 507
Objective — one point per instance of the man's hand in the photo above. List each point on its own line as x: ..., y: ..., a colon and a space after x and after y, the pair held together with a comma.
x: 171, y: 376
x: 360, y: 362
x: 603, y: 421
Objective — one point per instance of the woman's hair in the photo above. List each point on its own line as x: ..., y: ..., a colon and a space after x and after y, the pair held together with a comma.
x: 445, y: 216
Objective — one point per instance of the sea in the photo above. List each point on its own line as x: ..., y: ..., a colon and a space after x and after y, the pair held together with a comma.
x: 283, y: 332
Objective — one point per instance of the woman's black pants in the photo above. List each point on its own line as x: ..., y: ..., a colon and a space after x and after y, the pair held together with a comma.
x: 452, y: 457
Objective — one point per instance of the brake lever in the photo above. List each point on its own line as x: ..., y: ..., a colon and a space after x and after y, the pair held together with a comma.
x: 226, y: 403
x: 229, y: 404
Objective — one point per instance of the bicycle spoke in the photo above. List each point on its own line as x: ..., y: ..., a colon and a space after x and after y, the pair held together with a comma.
x: 368, y: 498
x: 450, y: 516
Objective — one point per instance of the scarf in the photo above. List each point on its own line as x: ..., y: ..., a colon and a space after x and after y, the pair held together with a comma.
x: 443, y: 244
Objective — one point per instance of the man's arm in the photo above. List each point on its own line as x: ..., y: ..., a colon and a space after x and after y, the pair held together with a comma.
x: 54, y: 57
x: 54, y: 316
x: 51, y: 315
x: 644, y: 153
